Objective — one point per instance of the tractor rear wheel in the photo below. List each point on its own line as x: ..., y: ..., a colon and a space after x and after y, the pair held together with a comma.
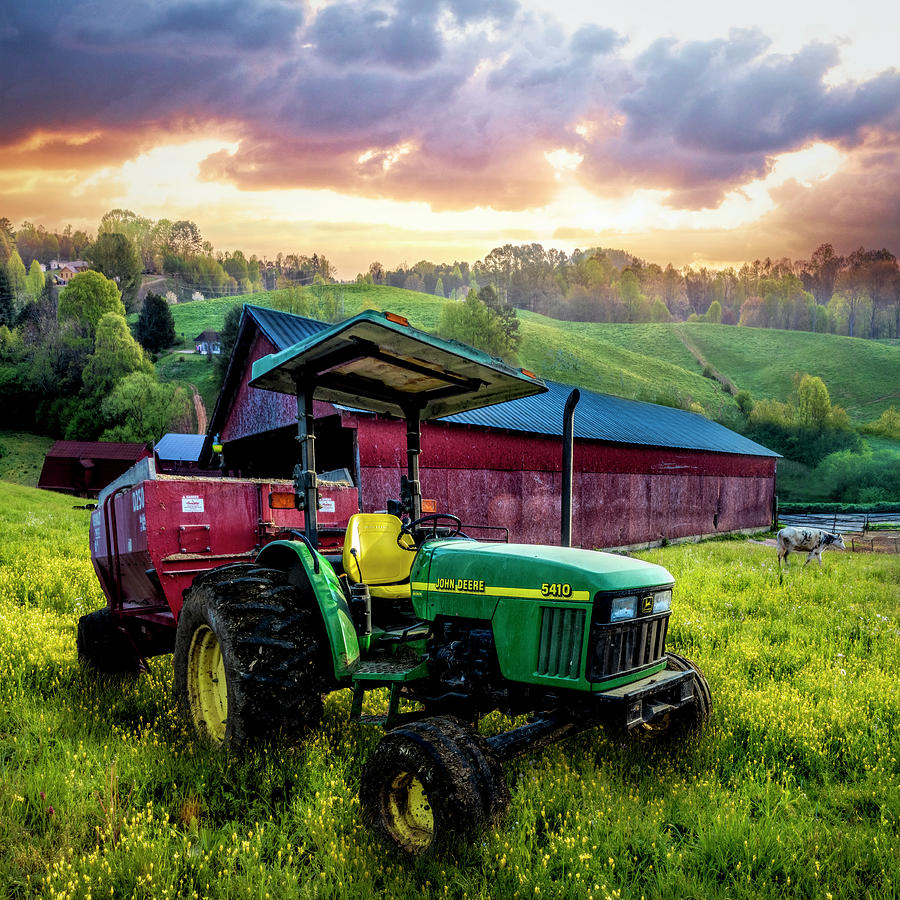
x: 105, y: 647
x: 429, y: 782
x: 250, y: 658
x: 686, y: 719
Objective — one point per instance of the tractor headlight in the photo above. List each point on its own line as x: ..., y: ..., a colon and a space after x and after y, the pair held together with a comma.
x: 623, y: 608
x: 662, y: 601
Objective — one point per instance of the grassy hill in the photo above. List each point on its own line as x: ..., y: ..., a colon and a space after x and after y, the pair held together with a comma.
x: 645, y: 361
x: 22, y: 456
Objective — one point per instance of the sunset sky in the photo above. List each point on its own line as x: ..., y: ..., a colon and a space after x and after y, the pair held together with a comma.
x: 438, y: 129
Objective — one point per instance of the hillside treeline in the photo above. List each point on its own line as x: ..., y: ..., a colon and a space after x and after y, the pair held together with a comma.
x: 128, y: 246
x: 70, y: 368
x: 856, y: 295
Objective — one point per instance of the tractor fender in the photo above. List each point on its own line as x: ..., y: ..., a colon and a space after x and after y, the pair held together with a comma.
x: 303, y: 568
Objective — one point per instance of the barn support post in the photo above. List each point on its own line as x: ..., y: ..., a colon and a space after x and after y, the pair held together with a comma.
x: 568, y: 453
x: 305, y: 481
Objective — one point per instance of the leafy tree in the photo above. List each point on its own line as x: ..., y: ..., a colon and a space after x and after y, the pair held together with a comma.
x: 85, y: 300
x: 143, y: 409
x: 414, y: 282
x: 507, y: 321
x: 813, y: 402
x: 473, y: 323
x: 439, y: 287
x: 887, y: 424
x: 116, y: 354
x: 659, y: 311
x: 35, y: 281
x: 185, y: 238
x: 116, y: 257
x: 18, y: 279
x: 714, y: 313
x: 155, y: 327
x: 7, y: 240
x: 7, y: 307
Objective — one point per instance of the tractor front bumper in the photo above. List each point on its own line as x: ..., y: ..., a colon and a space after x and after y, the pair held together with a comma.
x: 651, y: 697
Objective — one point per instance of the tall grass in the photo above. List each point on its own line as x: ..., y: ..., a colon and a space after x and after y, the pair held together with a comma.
x: 793, y: 791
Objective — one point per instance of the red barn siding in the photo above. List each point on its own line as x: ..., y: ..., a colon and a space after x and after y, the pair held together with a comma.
x: 253, y: 411
x: 622, y: 494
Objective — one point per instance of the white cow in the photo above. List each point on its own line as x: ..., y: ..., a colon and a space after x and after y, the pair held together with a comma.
x: 815, y: 540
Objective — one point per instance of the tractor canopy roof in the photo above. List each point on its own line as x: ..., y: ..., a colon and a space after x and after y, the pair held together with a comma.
x: 378, y: 362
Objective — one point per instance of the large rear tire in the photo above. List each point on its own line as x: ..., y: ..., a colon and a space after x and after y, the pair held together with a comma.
x: 104, y: 646
x: 430, y: 782
x: 250, y: 658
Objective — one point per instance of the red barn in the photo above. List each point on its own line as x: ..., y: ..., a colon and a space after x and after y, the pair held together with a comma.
x: 85, y: 467
x: 643, y: 473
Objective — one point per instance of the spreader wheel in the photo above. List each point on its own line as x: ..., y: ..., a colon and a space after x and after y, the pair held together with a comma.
x: 429, y: 782
x: 689, y: 718
x: 250, y: 660
x: 105, y: 647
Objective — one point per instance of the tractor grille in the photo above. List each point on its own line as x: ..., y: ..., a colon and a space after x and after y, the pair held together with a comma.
x: 618, y: 649
x: 562, y: 633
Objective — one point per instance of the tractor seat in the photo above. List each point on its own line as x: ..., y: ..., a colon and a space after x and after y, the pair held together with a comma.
x: 373, y: 557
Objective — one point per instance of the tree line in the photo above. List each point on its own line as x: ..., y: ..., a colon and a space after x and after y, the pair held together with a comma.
x: 856, y: 295
x: 128, y: 246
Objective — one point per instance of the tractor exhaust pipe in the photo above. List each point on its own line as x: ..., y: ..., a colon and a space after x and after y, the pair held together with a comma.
x: 568, y: 441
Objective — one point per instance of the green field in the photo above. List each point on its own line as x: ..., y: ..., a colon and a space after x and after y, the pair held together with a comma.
x: 793, y: 791
x: 22, y: 456
x: 648, y: 361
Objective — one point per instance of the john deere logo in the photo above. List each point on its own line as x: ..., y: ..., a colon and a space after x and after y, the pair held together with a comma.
x: 647, y: 603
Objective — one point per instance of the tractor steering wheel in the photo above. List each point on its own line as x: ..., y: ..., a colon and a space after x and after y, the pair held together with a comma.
x: 434, y: 518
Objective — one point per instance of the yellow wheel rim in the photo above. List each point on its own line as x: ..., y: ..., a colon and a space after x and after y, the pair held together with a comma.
x: 207, y: 689
x: 408, y: 814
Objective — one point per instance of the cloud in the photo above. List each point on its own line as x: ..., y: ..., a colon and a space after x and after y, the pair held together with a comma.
x: 452, y: 102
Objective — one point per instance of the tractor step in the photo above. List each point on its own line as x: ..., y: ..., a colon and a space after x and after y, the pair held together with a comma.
x: 372, y: 720
x: 389, y: 673
x: 390, y: 670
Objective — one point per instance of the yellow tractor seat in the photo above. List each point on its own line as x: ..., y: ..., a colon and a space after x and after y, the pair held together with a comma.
x: 373, y: 557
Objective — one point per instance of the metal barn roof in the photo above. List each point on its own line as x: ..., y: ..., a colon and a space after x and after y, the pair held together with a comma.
x: 284, y: 329
x: 602, y: 417
x: 181, y: 447
x: 97, y: 450
x: 597, y: 417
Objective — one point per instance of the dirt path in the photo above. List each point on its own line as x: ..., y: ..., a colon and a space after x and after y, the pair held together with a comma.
x: 200, y: 409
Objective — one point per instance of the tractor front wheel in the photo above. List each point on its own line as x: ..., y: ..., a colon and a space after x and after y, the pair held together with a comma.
x: 429, y: 782
x: 686, y: 719
x: 250, y: 661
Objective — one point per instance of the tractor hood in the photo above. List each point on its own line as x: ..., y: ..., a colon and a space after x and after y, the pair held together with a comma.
x: 480, y: 574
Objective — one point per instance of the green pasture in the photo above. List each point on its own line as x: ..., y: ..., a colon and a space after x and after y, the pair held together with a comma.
x: 647, y: 361
x: 792, y: 792
x: 22, y: 456
x: 861, y: 375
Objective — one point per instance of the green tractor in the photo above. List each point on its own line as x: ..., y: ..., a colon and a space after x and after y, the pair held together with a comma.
x: 452, y: 627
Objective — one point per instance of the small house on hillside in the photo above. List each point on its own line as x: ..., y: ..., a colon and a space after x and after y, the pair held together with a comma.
x: 68, y: 270
x: 643, y: 473
x: 208, y: 342
x: 86, y: 467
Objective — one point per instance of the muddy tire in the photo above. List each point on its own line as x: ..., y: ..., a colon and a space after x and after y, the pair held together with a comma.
x: 673, y: 726
x: 105, y: 647
x: 250, y: 658
x: 429, y: 783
